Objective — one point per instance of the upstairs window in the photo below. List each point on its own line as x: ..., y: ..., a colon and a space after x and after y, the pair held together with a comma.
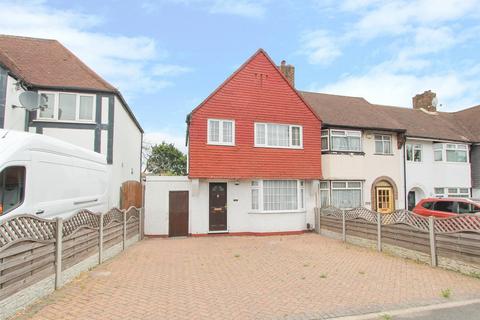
x: 325, y: 140
x: 221, y: 132
x: 414, y: 152
x: 278, y: 135
x: 383, y: 144
x: 450, y: 152
x: 73, y: 107
x: 345, y: 140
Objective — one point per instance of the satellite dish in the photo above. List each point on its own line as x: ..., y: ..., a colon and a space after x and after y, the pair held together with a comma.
x: 29, y: 100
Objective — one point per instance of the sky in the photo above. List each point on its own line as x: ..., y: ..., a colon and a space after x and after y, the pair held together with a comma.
x: 167, y: 56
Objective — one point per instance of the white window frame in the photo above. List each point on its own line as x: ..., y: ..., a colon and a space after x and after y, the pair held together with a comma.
x: 347, y: 187
x: 258, y: 185
x: 414, y: 147
x: 444, y: 147
x: 383, y: 138
x: 325, y: 134
x: 324, y: 189
x: 452, y: 192
x: 265, y: 138
x: 220, y: 141
x: 77, y: 107
x: 346, y: 133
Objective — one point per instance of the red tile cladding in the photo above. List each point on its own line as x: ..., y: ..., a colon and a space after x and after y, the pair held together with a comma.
x: 247, y: 97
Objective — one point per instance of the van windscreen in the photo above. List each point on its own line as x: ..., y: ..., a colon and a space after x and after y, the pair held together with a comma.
x: 12, y: 188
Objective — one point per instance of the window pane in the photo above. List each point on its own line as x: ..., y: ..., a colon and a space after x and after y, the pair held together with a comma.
x: 324, y: 198
x: 47, y: 112
x: 378, y: 147
x: 255, y: 199
x: 339, y: 184
x: 260, y: 133
x: 323, y: 185
x: 324, y: 143
x: 214, y: 130
x: 461, y: 156
x: 438, y: 155
x: 12, y: 188
x: 86, y: 108
x: 417, y: 156
x: 339, y: 143
x: 439, y: 190
x: 464, y: 190
x: 346, y: 198
x: 280, y: 195
x: 354, y: 144
x: 272, y: 138
x: 409, y: 152
x: 67, y: 106
x: 296, y: 136
x: 227, y: 132
x: 283, y: 136
x: 354, y: 184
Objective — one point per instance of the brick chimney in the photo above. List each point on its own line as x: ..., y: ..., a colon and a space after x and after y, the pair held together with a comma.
x: 426, y: 101
x: 288, y: 71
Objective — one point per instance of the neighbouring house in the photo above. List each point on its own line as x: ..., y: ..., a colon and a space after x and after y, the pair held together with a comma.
x: 362, y: 154
x: 82, y: 108
x: 254, y: 154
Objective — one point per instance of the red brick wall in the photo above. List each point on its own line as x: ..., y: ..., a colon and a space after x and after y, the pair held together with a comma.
x: 246, y: 99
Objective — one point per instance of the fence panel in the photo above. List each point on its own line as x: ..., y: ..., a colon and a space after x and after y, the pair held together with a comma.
x: 455, y: 240
x: 33, y: 249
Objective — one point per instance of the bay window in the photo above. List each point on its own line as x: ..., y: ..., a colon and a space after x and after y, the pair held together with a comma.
x: 278, y: 135
x: 345, y: 140
x: 277, y: 195
x: 64, y: 106
x: 221, y: 132
x: 324, y: 194
x: 414, y: 152
x: 452, y: 192
x: 346, y: 194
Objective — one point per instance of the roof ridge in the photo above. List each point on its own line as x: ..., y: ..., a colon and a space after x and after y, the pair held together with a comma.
x: 332, y: 94
x: 2, y: 35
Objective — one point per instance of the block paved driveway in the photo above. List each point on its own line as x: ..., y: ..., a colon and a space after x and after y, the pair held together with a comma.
x: 277, y: 277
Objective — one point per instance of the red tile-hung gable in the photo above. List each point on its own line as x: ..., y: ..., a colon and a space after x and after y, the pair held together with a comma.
x: 256, y: 92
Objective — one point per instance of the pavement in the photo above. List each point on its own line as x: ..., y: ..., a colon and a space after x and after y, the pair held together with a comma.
x: 301, y: 277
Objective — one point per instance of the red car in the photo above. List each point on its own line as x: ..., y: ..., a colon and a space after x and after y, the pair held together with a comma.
x: 447, y: 207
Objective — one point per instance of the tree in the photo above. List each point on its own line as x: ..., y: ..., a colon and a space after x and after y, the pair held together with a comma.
x: 165, y: 159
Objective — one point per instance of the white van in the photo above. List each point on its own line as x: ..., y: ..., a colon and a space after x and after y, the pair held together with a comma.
x: 48, y: 177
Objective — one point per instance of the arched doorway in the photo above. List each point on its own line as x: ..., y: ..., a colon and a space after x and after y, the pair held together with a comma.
x: 384, y: 193
x: 414, y: 195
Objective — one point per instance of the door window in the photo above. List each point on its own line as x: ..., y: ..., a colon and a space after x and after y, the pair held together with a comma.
x: 12, y: 188
x: 384, y: 200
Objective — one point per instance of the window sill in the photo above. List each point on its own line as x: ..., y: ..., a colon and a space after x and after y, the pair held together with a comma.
x: 355, y: 153
x: 64, y: 121
x: 384, y: 154
x: 221, y: 144
x: 279, y: 147
x: 277, y: 212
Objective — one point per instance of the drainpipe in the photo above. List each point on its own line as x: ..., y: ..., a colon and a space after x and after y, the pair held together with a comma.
x: 405, y: 196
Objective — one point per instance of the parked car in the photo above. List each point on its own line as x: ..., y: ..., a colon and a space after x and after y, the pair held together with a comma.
x: 49, y: 177
x: 447, y: 207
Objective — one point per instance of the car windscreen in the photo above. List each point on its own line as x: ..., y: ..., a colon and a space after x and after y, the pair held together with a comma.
x: 12, y: 188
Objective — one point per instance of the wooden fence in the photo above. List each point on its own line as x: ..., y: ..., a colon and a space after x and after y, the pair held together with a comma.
x: 455, y: 241
x: 33, y: 249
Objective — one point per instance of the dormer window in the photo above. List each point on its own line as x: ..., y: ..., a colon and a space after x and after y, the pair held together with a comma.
x: 221, y: 132
x: 68, y: 107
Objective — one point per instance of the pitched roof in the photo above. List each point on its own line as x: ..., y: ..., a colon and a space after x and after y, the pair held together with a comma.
x: 47, y: 63
x: 357, y: 112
